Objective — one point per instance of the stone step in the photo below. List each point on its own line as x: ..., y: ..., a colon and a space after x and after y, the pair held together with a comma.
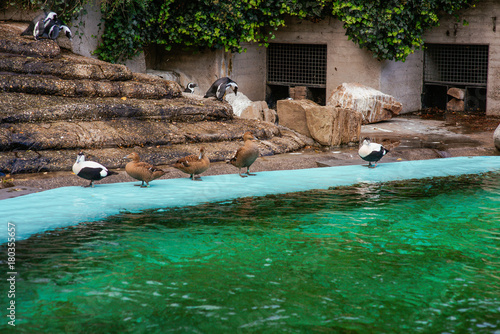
x: 46, y: 85
x: 28, y: 108
x: 124, y: 132
x: 64, y: 68
x: 32, y: 161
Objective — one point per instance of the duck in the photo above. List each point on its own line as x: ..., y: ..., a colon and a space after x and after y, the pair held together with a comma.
x: 190, y: 87
x: 90, y: 170
x: 246, y: 155
x: 39, y: 23
x: 219, y: 87
x: 141, y: 170
x: 193, y: 164
x: 371, y: 152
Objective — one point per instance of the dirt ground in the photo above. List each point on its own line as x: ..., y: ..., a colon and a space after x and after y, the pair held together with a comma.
x: 425, y: 135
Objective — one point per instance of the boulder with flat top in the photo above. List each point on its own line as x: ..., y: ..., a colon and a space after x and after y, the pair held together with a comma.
x: 374, y: 105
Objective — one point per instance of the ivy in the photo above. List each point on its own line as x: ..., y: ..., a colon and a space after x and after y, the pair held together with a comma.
x: 390, y: 29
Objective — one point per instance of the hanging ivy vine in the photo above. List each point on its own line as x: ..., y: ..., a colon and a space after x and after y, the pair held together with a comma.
x: 390, y: 29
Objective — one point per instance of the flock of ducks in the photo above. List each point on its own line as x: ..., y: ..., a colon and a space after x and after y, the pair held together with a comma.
x: 195, y: 164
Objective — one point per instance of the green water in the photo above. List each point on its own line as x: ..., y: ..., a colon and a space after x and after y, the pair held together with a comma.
x: 406, y: 257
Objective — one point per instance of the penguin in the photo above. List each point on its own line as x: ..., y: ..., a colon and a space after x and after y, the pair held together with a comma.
x: 90, y: 170
x: 371, y: 152
x: 51, y: 31
x: 64, y: 28
x: 37, y: 26
x: 218, y: 88
x: 190, y: 87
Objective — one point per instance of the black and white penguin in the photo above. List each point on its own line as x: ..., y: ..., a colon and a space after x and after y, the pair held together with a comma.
x: 90, y: 170
x: 51, y: 31
x: 218, y: 88
x: 371, y: 152
x: 37, y: 26
x: 190, y: 87
x: 64, y: 28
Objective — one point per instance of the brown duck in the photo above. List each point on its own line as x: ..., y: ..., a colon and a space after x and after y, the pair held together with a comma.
x: 246, y: 155
x: 141, y: 170
x: 193, y: 164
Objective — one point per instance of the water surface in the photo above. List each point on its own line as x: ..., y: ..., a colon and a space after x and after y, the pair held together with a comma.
x: 400, y: 257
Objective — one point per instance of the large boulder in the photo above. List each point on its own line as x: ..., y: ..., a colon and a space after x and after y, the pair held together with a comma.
x: 334, y: 126
x: 374, y: 105
x: 496, y: 138
x: 329, y: 126
x: 292, y: 114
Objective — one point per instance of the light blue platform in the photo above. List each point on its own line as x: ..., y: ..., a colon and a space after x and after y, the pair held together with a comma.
x: 47, y: 210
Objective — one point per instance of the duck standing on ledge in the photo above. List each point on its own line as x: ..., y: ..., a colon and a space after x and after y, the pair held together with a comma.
x: 90, y: 170
x: 371, y: 152
x: 141, y: 170
x: 190, y: 88
x: 193, y: 164
x: 246, y: 155
x: 218, y: 88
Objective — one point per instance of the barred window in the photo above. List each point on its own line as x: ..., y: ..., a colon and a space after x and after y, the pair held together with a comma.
x: 296, y: 65
x: 456, y: 64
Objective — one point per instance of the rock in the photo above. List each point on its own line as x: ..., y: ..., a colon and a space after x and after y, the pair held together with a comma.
x: 239, y: 102
x: 270, y: 115
x: 292, y: 114
x: 496, y: 138
x: 298, y: 92
x: 455, y: 105
x: 456, y: 93
x: 253, y: 111
x: 374, y: 105
x: 333, y: 126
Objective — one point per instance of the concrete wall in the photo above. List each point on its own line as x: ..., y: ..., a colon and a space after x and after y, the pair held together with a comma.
x: 481, y: 30
x: 202, y: 67
x: 345, y: 61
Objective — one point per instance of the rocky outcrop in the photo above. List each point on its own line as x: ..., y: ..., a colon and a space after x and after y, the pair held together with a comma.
x: 374, y: 105
x: 329, y: 126
x: 496, y: 138
x: 54, y: 103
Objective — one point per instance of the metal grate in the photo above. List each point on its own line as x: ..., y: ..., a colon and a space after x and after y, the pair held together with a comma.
x: 296, y: 65
x: 456, y: 64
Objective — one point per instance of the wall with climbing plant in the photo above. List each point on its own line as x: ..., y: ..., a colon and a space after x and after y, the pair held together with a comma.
x: 389, y: 29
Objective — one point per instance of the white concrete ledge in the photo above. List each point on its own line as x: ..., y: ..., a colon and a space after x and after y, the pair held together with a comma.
x: 66, y: 206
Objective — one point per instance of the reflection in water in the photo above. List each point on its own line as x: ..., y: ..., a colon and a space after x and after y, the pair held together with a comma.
x: 413, y: 256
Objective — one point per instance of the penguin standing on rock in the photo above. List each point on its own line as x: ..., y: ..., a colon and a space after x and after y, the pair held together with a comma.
x: 190, y: 87
x: 47, y: 25
x: 39, y: 23
x: 90, y: 170
x: 371, y: 152
x: 219, y: 87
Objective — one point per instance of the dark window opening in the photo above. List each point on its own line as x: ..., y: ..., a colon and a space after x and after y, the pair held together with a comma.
x: 296, y: 65
x: 459, y: 66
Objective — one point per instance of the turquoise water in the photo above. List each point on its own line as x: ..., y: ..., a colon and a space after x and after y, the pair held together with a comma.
x: 399, y: 257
